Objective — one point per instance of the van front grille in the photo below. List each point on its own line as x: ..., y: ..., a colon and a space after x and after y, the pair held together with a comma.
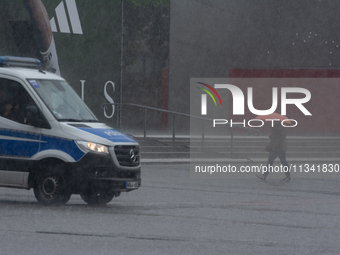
x: 127, y: 155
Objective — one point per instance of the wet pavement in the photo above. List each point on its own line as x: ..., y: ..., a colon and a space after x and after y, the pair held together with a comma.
x: 173, y: 213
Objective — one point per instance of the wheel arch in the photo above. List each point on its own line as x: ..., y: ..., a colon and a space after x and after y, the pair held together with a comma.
x: 40, y: 165
x: 45, y: 159
x: 49, y: 182
x: 55, y: 154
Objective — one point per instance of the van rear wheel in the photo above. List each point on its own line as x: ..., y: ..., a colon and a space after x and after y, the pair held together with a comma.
x: 51, y: 189
x: 98, y: 198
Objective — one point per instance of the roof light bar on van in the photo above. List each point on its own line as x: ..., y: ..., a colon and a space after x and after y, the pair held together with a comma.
x: 19, y: 61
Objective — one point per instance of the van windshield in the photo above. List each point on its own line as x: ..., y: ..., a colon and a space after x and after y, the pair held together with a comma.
x: 62, y: 100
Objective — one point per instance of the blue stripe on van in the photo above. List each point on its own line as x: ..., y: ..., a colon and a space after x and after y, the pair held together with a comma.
x: 19, y: 144
x: 22, y: 144
x: 16, y: 143
x: 66, y: 145
x: 110, y: 134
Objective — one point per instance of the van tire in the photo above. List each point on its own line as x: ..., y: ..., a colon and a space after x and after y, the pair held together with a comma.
x: 51, y: 189
x: 98, y: 198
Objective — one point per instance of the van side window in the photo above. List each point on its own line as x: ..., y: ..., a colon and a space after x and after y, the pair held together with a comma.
x: 14, y: 100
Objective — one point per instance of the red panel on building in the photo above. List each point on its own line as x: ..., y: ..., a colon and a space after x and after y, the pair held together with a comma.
x: 323, y: 84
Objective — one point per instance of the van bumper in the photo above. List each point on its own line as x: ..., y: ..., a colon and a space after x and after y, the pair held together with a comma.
x: 115, y: 184
x: 95, y: 172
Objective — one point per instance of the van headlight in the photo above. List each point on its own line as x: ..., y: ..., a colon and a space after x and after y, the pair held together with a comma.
x: 89, y: 146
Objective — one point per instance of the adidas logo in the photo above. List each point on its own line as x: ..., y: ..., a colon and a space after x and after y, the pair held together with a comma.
x: 63, y: 21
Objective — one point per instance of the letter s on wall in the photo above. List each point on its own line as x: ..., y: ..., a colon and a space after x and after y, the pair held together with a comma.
x: 108, y: 98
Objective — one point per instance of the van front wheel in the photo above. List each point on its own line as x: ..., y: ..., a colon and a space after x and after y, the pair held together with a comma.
x: 51, y: 189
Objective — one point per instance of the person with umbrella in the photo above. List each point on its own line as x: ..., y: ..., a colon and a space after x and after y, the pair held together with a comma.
x: 277, y: 147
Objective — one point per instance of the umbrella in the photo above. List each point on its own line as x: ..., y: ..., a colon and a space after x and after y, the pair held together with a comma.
x: 273, y: 116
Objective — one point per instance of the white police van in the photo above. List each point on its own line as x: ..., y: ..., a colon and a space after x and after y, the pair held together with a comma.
x: 50, y: 140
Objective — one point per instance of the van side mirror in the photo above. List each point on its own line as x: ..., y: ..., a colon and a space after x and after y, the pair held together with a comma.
x: 32, y: 116
x: 35, y: 118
